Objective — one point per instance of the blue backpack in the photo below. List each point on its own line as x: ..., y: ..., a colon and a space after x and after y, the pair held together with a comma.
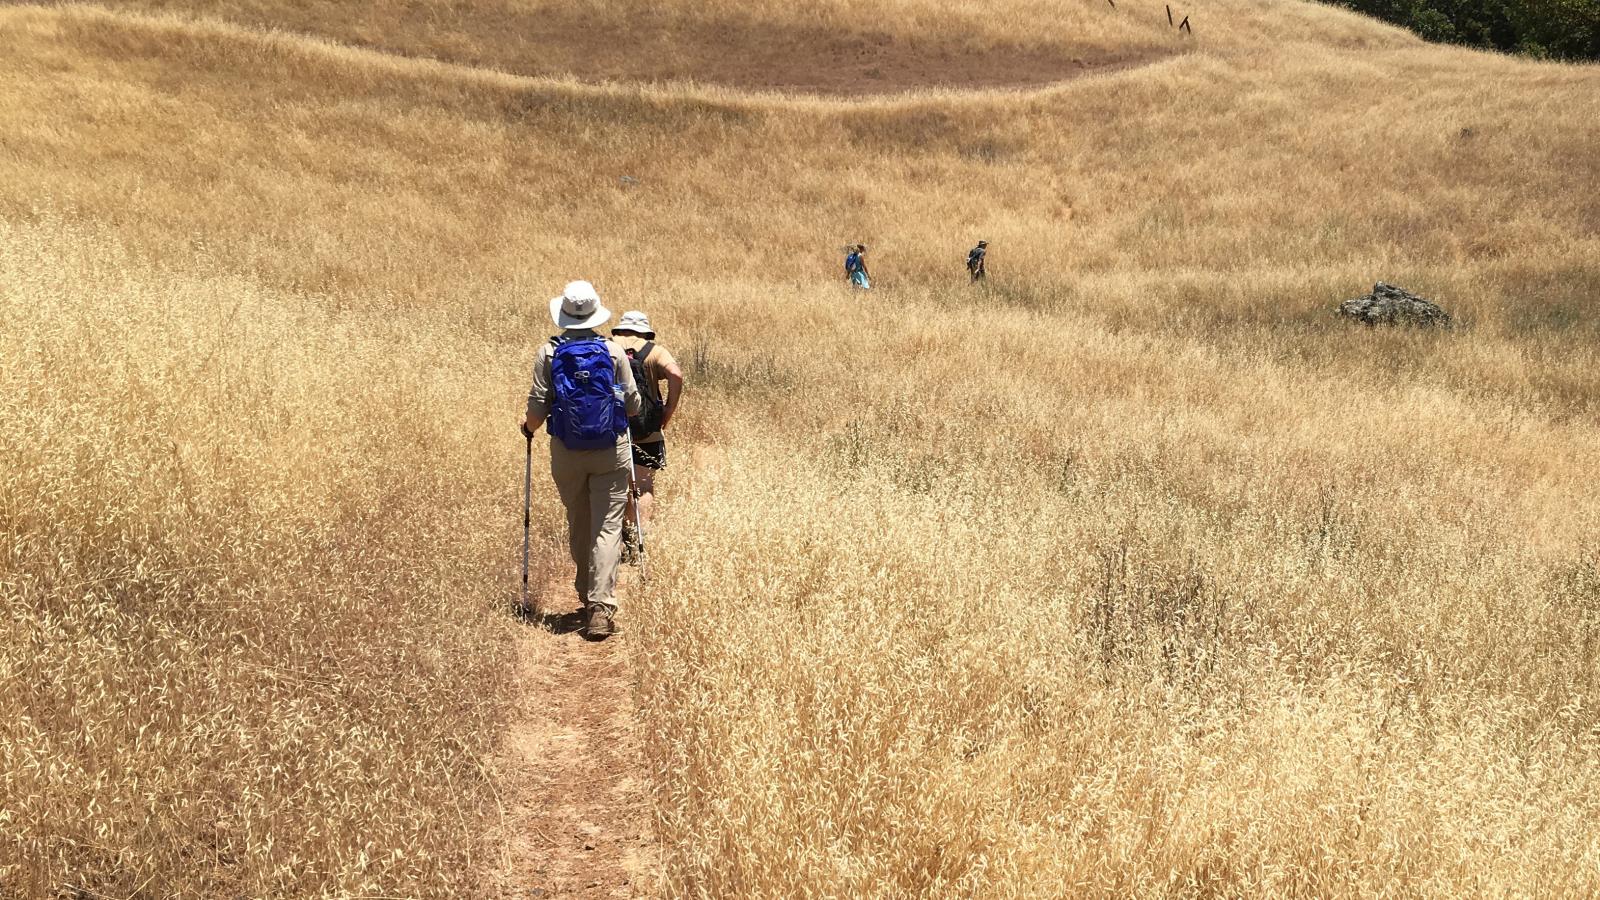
x: 586, y: 410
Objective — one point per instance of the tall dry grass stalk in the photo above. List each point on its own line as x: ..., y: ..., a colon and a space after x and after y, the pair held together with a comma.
x: 1133, y: 572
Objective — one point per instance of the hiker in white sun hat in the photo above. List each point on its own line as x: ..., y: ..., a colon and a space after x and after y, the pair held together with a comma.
x: 652, y: 364
x: 583, y: 388
x: 578, y: 307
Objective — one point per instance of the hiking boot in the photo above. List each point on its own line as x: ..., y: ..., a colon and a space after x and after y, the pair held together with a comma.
x: 600, y: 622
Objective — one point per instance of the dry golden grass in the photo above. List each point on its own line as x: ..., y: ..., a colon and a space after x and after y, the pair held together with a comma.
x: 635, y: 38
x: 1132, y: 573
x: 245, y: 603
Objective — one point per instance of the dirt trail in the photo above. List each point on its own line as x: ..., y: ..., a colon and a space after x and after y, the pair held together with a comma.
x: 753, y: 55
x: 576, y: 815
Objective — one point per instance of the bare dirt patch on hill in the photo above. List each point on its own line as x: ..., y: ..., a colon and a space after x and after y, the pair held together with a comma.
x: 766, y: 57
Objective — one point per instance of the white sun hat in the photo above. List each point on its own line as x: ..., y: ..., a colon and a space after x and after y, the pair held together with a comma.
x: 578, y: 307
x: 636, y: 322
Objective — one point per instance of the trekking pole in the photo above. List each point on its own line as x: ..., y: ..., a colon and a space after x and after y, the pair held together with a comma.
x: 638, y: 516
x: 527, y: 505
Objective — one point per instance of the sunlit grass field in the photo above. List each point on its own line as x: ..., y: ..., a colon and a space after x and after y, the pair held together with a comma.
x: 1132, y: 572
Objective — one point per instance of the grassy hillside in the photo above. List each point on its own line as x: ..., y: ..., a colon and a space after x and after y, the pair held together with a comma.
x: 1133, y: 572
x: 829, y: 45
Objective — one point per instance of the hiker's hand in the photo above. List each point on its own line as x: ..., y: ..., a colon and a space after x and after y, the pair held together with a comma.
x: 523, y: 427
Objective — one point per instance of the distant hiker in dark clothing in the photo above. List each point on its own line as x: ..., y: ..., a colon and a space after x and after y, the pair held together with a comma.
x: 976, y: 261
x: 855, y: 268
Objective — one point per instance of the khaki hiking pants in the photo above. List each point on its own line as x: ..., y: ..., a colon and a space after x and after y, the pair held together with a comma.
x: 593, y: 485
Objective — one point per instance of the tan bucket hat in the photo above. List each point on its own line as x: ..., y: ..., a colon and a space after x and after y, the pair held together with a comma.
x: 635, y: 322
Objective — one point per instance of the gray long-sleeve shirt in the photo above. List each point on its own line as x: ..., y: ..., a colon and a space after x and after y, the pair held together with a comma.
x: 539, y: 393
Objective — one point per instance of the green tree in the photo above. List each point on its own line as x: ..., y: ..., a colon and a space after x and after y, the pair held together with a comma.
x: 1556, y: 29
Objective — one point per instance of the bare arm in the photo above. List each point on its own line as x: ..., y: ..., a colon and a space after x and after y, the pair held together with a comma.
x: 674, y: 392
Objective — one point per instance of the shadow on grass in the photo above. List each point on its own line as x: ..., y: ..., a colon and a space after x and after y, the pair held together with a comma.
x: 571, y: 622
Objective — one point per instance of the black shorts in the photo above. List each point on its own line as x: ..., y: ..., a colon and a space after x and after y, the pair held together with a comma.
x: 652, y: 455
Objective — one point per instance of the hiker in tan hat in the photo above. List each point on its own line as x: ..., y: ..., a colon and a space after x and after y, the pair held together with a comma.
x: 583, y: 388
x: 652, y: 364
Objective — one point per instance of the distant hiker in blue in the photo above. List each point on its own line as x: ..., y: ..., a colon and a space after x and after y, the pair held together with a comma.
x: 855, y: 268
x: 976, y: 266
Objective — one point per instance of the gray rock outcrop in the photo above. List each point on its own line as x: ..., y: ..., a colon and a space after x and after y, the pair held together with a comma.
x: 1389, y: 305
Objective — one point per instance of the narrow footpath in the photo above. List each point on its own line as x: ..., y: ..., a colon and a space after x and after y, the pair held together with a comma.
x: 576, y: 817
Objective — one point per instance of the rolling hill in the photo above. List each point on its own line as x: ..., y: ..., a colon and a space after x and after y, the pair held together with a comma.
x: 1134, y: 571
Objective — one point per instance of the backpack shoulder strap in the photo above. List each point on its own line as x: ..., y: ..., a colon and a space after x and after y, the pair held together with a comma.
x: 647, y: 385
